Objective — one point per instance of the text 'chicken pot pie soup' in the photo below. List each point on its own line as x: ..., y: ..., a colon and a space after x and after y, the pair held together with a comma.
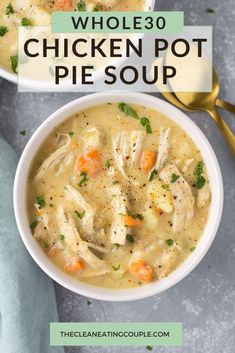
x: 118, y: 196
x: 14, y: 13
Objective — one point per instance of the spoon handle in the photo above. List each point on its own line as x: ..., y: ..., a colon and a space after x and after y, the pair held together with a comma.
x: 224, y: 129
x: 225, y: 105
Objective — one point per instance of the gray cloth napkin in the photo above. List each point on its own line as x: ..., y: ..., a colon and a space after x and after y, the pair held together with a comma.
x: 27, y: 300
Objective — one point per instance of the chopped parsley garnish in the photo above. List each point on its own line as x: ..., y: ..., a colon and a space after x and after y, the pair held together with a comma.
x: 84, y: 179
x: 130, y: 238
x: 193, y: 248
x: 9, y: 9
x: 165, y: 187
x: 3, y: 30
x: 41, y: 201
x: 107, y: 164
x: 34, y: 224
x: 200, y: 182
x: 97, y: 8
x: 81, y: 6
x: 149, y: 348
x: 23, y: 132
x: 209, y: 10
x: 134, y: 216
x: 80, y: 214
x: 174, y: 178
x: 25, y: 22
x: 14, y: 63
x: 126, y: 109
x: 199, y: 169
x: 170, y: 242
x: 88, y: 302
x: 115, y: 182
x: 138, y: 216
x: 62, y: 237
x: 45, y: 244
x: 152, y: 174
x: 116, y: 268
x: 146, y: 123
x: 71, y: 133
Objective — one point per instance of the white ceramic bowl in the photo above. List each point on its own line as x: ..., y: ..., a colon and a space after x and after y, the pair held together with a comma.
x: 21, y: 185
x: 40, y: 85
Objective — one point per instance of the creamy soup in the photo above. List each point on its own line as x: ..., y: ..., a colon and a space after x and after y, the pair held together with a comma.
x: 14, y: 13
x: 118, y: 196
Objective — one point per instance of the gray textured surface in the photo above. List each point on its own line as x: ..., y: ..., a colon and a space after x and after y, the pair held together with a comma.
x: 205, y: 300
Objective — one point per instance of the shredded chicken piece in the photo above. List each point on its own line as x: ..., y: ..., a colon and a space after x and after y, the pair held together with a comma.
x: 165, y: 262
x: 183, y: 199
x: 124, y: 146
x: 161, y: 198
x: 163, y: 148
x: 136, y: 143
x: 40, y: 233
x: 111, y: 172
x: 92, y: 137
x: 187, y: 164
x: 88, y: 218
x: 61, y: 139
x: 136, y: 256
x: 68, y: 160
x: 35, y: 10
x: 118, y: 154
x: 53, y: 159
x: 22, y: 4
x: 127, y: 149
x: 118, y: 231
x: 203, y: 195
x: 74, y: 241
x: 43, y: 216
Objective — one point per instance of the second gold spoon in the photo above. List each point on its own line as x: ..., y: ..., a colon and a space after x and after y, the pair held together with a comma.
x: 206, y: 101
x: 171, y: 97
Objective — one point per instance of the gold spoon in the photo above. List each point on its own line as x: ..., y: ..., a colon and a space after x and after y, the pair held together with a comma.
x: 189, y: 106
x: 171, y: 97
x: 206, y: 101
x: 225, y: 105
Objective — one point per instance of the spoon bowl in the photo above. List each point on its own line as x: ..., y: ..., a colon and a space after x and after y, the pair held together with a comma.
x: 201, y: 100
x: 206, y: 101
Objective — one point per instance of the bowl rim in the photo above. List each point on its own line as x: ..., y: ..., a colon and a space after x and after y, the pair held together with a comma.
x: 37, y: 85
x: 206, y: 239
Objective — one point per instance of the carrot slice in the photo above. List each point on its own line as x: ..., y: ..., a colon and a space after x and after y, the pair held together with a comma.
x: 141, y: 270
x: 64, y: 4
x: 147, y: 160
x: 131, y: 222
x: 159, y: 211
x: 94, y: 155
x: 74, y: 266
x: 90, y: 163
x: 81, y: 165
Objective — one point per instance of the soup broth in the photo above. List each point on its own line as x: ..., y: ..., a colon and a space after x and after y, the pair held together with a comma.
x: 118, y: 196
